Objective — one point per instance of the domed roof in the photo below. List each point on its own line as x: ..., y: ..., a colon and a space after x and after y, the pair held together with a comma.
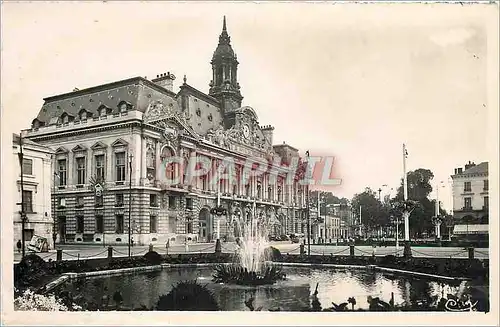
x: 224, y: 49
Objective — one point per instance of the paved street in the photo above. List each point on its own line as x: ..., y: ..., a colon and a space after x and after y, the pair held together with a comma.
x: 75, y: 252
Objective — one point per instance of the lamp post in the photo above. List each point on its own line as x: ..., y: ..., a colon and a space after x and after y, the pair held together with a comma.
x: 54, y: 228
x: 396, y: 222
x: 307, y: 209
x: 23, y: 212
x: 437, y: 219
x: 130, y: 156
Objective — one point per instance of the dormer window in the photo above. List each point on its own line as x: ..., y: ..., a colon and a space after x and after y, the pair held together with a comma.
x: 102, y: 111
x: 123, y: 106
x: 65, y: 119
x: 36, y: 124
x: 83, y: 115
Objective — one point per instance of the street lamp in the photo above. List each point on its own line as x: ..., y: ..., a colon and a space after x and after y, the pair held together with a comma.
x: 438, y: 219
x: 307, y: 208
x: 130, y: 156
x: 23, y: 212
x: 54, y: 228
x: 396, y: 221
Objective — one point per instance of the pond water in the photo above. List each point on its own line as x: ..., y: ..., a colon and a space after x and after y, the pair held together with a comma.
x: 294, y: 294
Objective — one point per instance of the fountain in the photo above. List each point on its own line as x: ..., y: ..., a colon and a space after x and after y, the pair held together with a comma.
x: 252, y: 267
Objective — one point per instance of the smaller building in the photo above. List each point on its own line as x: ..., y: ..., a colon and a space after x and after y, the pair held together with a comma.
x: 37, y: 183
x: 327, y: 229
x: 471, y: 201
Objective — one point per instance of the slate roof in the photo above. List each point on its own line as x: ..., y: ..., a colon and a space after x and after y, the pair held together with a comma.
x: 477, y: 169
x: 136, y: 92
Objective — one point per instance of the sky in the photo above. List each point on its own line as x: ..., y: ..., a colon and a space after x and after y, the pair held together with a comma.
x: 352, y: 81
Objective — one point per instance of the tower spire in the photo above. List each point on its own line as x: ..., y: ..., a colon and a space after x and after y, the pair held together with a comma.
x: 224, y: 85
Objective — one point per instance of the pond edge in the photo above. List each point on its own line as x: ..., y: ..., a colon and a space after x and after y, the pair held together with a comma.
x: 124, y: 271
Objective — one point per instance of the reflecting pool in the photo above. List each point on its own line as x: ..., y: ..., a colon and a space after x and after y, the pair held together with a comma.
x: 293, y: 294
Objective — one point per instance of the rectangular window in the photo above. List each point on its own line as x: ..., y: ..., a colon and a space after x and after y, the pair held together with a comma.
x: 189, y: 203
x: 172, y: 225
x: 204, y: 183
x: 62, y: 169
x: 119, y: 224
x: 99, y: 166
x: 486, y: 202
x: 99, y: 224
x: 171, y: 202
x: 153, y: 224
x: 62, y: 202
x: 120, y: 166
x: 119, y: 200
x: 79, y: 201
x: 99, y: 201
x: 80, y: 170
x: 153, y: 201
x: 468, y: 203
x: 485, y: 185
x: 467, y: 186
x: 28, y: 201
x: 27, y: 167
x: 79, y: 224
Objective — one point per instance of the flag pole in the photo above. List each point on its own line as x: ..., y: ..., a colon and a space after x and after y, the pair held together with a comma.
x: 406, y: 214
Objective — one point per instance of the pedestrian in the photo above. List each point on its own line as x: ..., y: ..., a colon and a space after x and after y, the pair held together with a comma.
x: 186, y: 245
x: 167, y: 245
x: 19, y: 245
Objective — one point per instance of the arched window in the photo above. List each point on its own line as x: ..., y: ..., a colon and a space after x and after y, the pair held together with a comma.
x: 102, y: 111
x: 65, y: 118
x: 123, y: 106
x: 83, y: 114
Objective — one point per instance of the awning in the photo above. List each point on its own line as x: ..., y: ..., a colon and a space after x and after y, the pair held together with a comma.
x: 471, y: 229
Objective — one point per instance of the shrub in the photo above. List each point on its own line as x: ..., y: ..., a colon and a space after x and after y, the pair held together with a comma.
x: 30, y: 301
x: 188, y: 296
x: 153, y: 257
x: 272, y: 253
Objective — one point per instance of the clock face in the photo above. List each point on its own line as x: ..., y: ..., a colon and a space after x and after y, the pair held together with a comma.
x: 246, y: 131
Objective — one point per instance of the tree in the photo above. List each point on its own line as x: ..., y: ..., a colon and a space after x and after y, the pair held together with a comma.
x: 419, y: 188
x: 328, y: 200
x: 373, y: 212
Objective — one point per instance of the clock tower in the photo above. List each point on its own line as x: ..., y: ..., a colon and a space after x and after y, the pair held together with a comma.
x: 224, y: 85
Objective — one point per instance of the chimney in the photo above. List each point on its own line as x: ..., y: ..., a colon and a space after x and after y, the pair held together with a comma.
x: 268, y: 132
x: 165, y: 80
x: 459, y: 170
x: 469, y: 165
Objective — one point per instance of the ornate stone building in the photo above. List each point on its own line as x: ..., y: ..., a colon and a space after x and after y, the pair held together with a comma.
x: 111, y: 140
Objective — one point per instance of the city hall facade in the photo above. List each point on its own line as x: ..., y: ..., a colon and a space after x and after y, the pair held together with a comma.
x: 110, y: 143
